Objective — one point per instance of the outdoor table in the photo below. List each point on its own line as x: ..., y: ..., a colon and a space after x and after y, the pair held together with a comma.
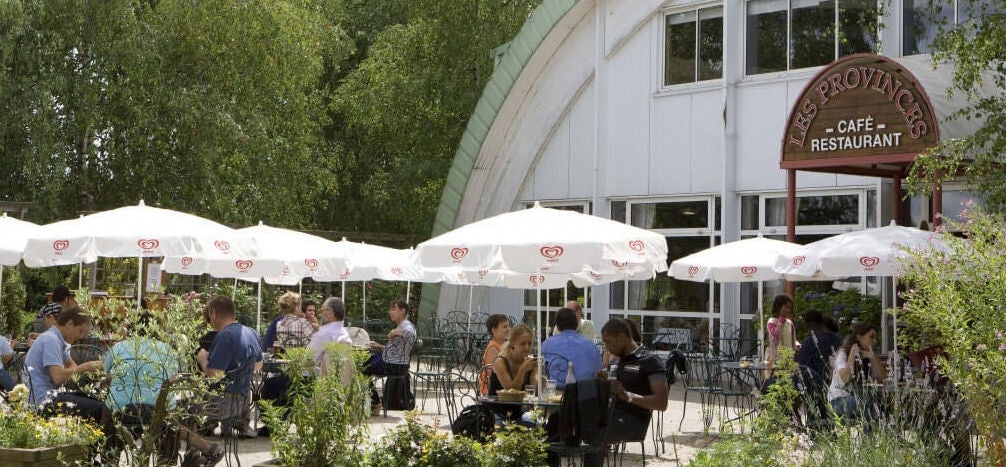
x: 750, y: 374
x: 527, y: 402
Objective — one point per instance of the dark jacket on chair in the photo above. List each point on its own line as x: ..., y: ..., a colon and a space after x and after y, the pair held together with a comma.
x: 676, y: 364
x: 584, y: 411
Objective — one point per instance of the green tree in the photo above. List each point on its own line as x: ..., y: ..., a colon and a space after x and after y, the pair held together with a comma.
x: 405, y: 107
x: 957, y: 296
x: 210, y: 107
x: 976, y: 47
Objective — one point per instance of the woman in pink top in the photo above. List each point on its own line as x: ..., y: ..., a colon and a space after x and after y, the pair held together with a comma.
x: 498, y: 327
x: 781, y: 330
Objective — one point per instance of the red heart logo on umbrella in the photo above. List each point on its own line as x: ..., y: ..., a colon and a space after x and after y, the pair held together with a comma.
x: 748, y: 271
x: 798, y: 260
x: 186, y: 261
x: 595, y: 275
x: 396, y: 271
x: 536, y: 279
x: 637, y: 245
x: 692, y: 271
x: 869, y: 262
x: 483, y: 273
x: 147, y: 244
x: 286, y: 270
x: 345, y: 274
x: 618, y: 264
x: 311, y: 263
x: 60, y: 245
x: 458, y: 252
x: 222, y: 245
x: 244, y: 264
x: 551, y: 252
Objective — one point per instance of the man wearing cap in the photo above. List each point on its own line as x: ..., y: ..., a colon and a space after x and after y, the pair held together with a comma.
x: 61, y: 297
x: 49, y: 366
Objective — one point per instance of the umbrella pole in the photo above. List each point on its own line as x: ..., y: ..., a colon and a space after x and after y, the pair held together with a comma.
x: 471, y: 294
x: 408, y: 291
x: 894, y: 315
x: 258, y: 311
x: 761, y: 321
x: 300, y: 286
x: 548, y: 309
x: 1, y: 287
x: 712, y: 300
x: 139, y: 282
x: 364, y: 298
x: 80, y: 275
x: 537, y: 340
x: 234, y: 291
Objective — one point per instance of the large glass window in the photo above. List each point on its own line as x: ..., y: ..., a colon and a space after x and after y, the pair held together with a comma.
x: 693, y: 46
x: 671, y: 215
x: 815, y: 210
x: 789, y: 34
x: 923, y: 19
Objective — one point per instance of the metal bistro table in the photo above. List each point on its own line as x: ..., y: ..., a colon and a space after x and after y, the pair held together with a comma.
x: 743, y: 381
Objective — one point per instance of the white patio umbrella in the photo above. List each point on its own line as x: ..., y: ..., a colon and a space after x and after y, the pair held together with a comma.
x: 871, y: 252
x: 132, y: 231
x: 14, y: 234
x: 748, y: 260
x: 545, y: 241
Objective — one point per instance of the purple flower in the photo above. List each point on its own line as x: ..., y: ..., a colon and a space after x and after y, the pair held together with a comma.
x: 981, y: 347
x: 999, y: 335
x: 1002, y: 346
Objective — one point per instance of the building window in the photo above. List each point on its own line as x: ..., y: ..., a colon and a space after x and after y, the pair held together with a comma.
x: 922, y: 20
x: 790, y: 34
x: 693, y: 46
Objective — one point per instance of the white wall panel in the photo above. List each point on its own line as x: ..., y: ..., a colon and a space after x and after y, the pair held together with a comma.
x: 627, y: 122
x: 581, y: 144
x: 553, y: 166
x: 761, y: 114
x: 671, y: 145
x: 707, y: 142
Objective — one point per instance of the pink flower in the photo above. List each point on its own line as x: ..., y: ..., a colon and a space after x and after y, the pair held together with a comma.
x: 1002, y: 346
x: 999, y: 335
x: 981, y: 348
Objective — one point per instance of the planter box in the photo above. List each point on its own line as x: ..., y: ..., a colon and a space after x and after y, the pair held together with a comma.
x: 40, y: 457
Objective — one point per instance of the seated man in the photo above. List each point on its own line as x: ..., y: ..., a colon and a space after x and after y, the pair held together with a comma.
x: 393, y: 359
x: 569, y: 346
x: 638, y: 387
x: 333, y: 316
x: 814, y: 359
x: 236, y: 352
x: 49, y: 366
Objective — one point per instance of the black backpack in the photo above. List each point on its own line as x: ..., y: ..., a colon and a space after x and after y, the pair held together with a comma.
x: 475, y: 422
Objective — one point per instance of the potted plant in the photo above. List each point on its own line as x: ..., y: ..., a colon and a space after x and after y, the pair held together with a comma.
x: 326, y: 420
x: 28, y: 439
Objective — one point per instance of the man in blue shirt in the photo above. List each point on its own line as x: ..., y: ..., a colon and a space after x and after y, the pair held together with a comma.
x: 48, y: 365
x: 569, y: 346
x: 236, y: 352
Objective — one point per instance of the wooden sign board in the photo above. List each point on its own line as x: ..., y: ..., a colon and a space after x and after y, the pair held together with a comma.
x: 862, y: 108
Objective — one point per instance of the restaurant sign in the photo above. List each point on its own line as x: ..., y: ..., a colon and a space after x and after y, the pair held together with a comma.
x: 861, y: 105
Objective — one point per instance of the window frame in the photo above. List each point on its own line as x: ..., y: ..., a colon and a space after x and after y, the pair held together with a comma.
x: 836, y: 44
x: 695, y: 8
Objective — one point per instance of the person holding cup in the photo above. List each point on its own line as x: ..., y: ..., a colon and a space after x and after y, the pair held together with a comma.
x: 514, y: 368
x: 855, y: 363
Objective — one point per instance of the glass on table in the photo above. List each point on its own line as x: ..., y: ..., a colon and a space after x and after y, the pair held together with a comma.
x: 550, y: 386
x: 530, y: 390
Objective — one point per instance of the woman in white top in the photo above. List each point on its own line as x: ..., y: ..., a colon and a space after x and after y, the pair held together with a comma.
x: 855, y: 362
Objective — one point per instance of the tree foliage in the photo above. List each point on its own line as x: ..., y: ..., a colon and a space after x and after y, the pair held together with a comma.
x: 213, y: 107
x: 406, y: 105
x: 977, y: 48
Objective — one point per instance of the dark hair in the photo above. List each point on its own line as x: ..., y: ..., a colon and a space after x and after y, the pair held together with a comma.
x: 858, y: 329
x: 60, y: 293
x: 306, y: 303
x: 780, y: 301
x: 72, y: 315
x: 634, y: 330
x: 617, y: 327
x: 401, y: 305
x: 221, y: 305
x: 337, y: 306
x: 576, y: 305
x: 565, y: 319
x: 830, y: 324
x: 493, y: 321
x: 813, y: 319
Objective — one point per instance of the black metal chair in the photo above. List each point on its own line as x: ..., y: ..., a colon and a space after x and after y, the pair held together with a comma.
x: 435, y: 363
x: 701, y: 379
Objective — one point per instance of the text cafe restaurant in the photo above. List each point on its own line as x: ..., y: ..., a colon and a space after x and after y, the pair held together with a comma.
x: 596, y: 106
